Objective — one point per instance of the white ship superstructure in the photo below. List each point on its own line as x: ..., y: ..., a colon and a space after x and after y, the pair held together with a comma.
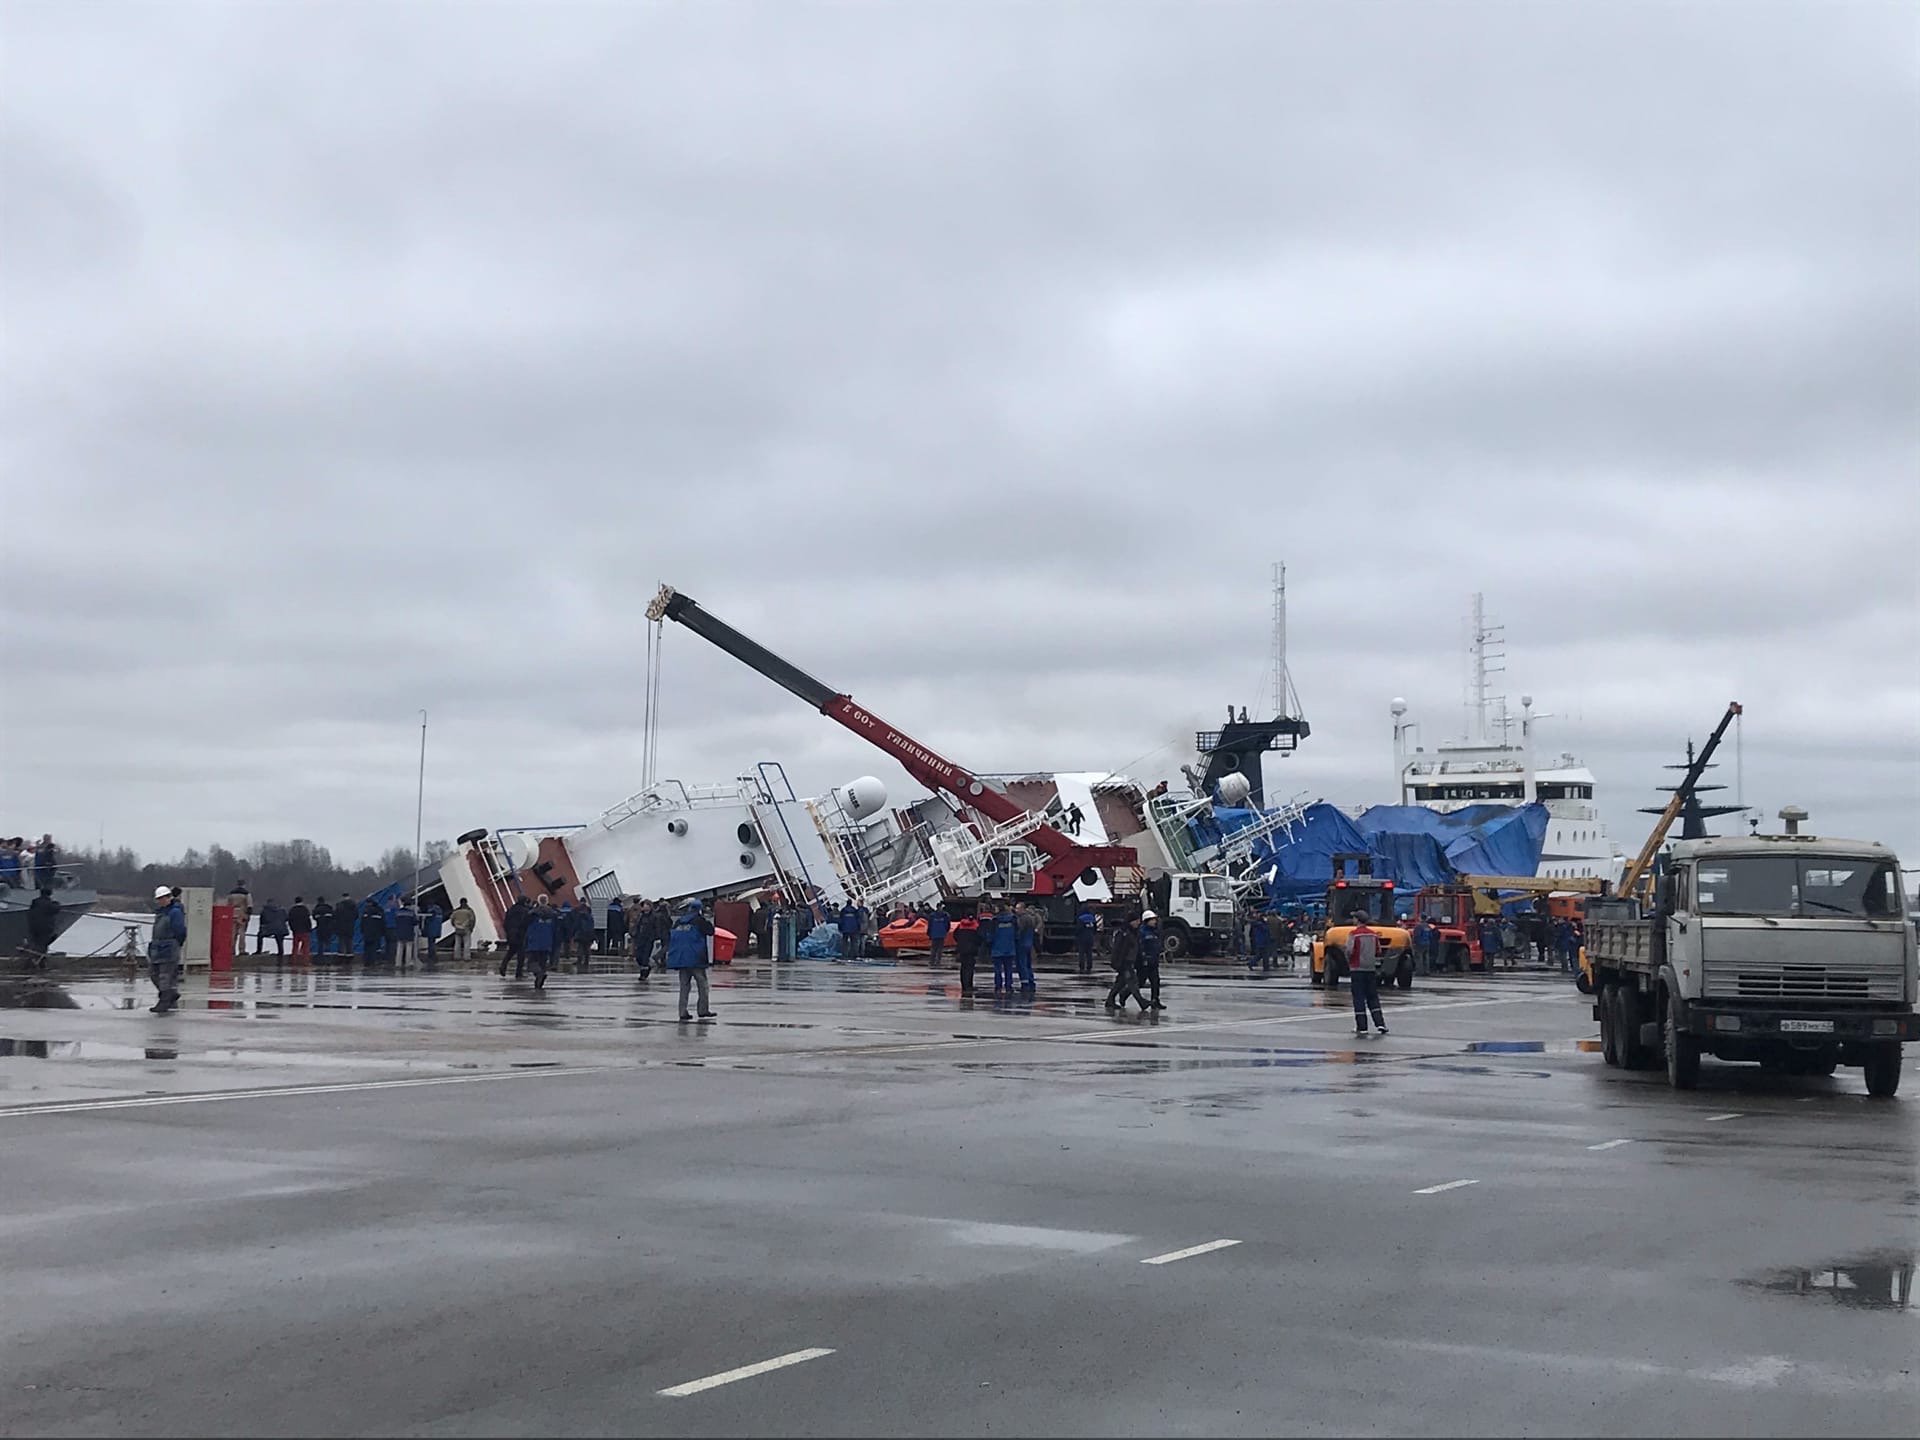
x: 1487, y: 768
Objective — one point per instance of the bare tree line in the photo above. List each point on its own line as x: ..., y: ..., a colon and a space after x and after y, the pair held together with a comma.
x: 278, y: 869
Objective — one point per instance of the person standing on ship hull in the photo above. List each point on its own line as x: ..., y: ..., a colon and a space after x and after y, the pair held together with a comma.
x: 1363, y: 955
x: 163, y: 948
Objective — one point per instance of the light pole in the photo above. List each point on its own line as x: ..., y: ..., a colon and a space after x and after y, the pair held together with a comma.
x: 420, y: 810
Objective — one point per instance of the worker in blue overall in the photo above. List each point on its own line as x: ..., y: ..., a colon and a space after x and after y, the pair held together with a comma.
x: 938, y: 923
x: 1085, y: 924
x: 1003, y: 943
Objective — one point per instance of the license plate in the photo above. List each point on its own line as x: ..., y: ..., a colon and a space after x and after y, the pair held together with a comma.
x: 1807, y: 1027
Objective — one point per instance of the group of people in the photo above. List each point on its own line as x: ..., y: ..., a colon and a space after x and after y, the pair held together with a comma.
x: 540, y: 935
x: 29, y: 864
x: 390, y: 932
x: 1507, y: 937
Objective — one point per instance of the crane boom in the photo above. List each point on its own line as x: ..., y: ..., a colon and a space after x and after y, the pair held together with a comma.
x: 1066, y: 859
x: 1638, y: 869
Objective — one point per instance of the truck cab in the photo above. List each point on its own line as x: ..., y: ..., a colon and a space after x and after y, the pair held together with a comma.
x: 1791, y: 950
x: 1197, y: 913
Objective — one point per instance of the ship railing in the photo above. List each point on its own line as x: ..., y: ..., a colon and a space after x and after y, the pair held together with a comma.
x: 64, y: 877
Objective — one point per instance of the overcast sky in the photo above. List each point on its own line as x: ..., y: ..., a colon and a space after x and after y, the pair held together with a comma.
x: 979, y: 358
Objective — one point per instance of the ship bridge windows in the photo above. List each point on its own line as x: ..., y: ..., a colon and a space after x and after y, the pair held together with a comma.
x: 1463, y: 790
x: 1563, y: 791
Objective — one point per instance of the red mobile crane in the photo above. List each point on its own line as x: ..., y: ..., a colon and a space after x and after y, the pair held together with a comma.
x: 1066, y: 860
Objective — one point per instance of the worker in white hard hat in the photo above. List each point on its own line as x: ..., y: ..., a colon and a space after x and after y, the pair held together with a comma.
x: 1148, y: 965
x: 163, y: 948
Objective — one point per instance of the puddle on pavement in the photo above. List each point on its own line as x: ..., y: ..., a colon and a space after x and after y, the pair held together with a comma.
x: 84, y: 1050
x: 1879, y: 1282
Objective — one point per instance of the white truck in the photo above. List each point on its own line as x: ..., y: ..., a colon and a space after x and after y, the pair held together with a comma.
x: 1792, y: 950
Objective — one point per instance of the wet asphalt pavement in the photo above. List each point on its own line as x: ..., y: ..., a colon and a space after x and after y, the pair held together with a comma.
x: 439, y: 1203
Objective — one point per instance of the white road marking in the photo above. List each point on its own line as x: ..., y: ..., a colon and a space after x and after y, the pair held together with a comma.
x: 1609, y: 1144
x: 745, y: 1372
x: 1189, y: 1252
x: 1730, y: 1115
x: 146, y: 1102
x: 1450, y: 1185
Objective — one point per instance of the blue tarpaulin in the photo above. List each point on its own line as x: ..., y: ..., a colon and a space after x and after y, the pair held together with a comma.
x: 1410, y: 845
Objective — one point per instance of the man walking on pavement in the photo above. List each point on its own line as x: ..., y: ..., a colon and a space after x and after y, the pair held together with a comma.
x: 687, y: 953
x: 514, y: 925
x: 1148, y: 965
x: 1122, y: 954
x: 1363, y: 960
x: 542, y: 931
x: 938, y: 923
x: 461, y: 922
x: 163, y: 948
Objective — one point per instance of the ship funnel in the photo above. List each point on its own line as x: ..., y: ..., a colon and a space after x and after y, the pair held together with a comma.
x: 1793, y: 816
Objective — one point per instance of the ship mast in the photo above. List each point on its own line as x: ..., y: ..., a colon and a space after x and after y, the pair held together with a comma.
x: 1286, y: 700
x: 1486, y: 643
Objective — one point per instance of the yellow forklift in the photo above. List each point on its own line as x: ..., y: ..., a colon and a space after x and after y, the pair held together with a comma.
x: 1350, y: 899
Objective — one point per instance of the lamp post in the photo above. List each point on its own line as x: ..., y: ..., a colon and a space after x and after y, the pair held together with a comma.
x: 420, y: 810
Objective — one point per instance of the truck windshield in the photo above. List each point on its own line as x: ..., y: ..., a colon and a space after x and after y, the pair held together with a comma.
x: 1216, y: 887
x: 1795, y: 886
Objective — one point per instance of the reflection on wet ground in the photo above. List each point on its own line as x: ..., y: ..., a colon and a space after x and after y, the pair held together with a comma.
x: 1879, y: 1282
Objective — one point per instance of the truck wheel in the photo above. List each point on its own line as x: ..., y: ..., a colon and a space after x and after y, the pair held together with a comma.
x: 1683, y: 1051
x: 1626, y: 1027
x: 1403, y: 977
x: 1883, y: 1070
x: 1335, y: 965
x: 1583, y: 982
x: 1610, y: 1025
x: 1174, y: 945
x: 1314, y: 977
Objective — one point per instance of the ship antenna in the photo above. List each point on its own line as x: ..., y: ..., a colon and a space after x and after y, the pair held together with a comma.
x: 1486, y: 643
x: 1286, y: 700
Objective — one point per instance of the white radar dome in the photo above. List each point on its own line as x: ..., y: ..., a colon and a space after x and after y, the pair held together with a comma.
x: 1234, y: 789
x: 863, y: 797
x: 522, y: 849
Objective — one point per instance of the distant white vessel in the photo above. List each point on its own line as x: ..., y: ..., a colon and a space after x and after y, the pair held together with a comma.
x: 1488, y: 768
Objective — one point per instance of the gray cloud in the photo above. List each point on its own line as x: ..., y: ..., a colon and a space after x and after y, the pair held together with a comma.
x: 359, y: 358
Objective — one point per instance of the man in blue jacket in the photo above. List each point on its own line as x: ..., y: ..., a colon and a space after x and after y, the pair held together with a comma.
x: 432, y: 922
x: 1148, y: 965
x: 1003, y: 943
x: 1084, y: 926
x: 373, y: 932
x: 163, y: 948
x: 687, y: 953
x: 616, y: 927
x: 937, y: 926
x: 543, y: 929
x: 850, y: 923
x: 406, y: 928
